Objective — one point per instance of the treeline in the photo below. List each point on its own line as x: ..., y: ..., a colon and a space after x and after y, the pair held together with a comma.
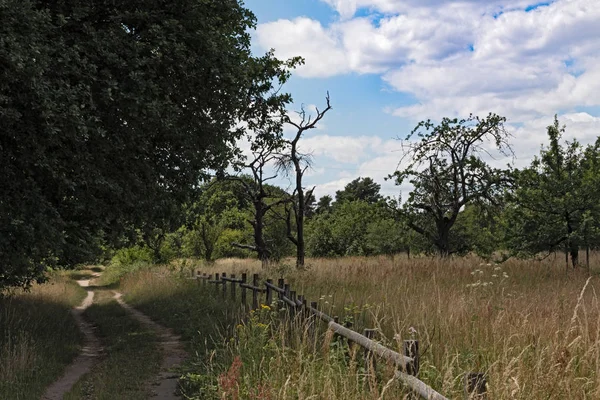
x: 456, y: 206
x: 113, y: 115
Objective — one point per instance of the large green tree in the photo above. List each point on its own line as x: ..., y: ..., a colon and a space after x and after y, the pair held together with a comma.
x: 107, y: 108
x: 555, y: 203
x: 447, y: 170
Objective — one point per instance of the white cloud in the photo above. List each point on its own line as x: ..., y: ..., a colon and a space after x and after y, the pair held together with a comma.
x: 455, y: 57
x: 342, y: 149
x: 329, y: 188
x: 320, y: 47
x: 458, y: 57
x: 348, y: 8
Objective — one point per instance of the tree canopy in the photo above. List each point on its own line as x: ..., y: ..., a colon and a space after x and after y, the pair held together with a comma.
x: 364, y: 189
x: 109, y: 108
x: 448, y: 172
x: 555, y: 202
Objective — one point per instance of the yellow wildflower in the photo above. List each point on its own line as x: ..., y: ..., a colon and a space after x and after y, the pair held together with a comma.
x: 265, y: 307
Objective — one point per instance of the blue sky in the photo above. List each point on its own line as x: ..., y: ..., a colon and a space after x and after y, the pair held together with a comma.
x: 391, y: 63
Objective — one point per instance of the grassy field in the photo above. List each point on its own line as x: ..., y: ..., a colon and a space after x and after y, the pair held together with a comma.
x: 38, y: 337
x: 530, y: 326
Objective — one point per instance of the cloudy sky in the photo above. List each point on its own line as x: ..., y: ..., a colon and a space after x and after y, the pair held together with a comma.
x: 391, y: 63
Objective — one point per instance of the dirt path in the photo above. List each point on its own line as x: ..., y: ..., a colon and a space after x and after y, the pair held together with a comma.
x: 173, y: 353
x: 88, y: 357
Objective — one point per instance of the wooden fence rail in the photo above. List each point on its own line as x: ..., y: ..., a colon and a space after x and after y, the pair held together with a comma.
x: 408, y: 363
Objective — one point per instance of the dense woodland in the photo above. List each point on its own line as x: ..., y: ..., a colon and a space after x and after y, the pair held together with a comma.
x: 119, y: 136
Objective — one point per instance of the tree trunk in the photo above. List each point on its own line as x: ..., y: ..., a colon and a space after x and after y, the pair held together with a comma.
x: 574, y: 250
x: 206, y: 240
x: 443, y: 240
x: 587, y: 258
x: 262, y: 251
x: 300, y: 213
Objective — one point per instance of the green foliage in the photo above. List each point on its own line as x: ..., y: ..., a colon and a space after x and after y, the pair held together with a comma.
x: 479, y: 230
x: 223, y: 247
x: 171, y: 246
x: 555, y: 202
x: 447, y: 172
x: 355, y: 228
x: 363, y: 189
x: 112, y: 110
x: 132, y: 255
x: 386, y: 236
x: 324, y: 204
x: 217, y: 209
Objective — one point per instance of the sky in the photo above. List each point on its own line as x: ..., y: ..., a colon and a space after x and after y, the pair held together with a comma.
x: 389, y: 64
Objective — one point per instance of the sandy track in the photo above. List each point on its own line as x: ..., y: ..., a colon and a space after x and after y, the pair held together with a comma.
x: 88, y: 357
x: 172, y: 349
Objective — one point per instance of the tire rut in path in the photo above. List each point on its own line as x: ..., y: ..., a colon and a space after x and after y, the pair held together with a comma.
x: 172, y: 349
x: 88, y: 357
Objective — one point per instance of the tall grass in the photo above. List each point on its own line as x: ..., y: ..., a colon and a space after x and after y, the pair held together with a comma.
x: 38, y: 337
x: 530, y: 326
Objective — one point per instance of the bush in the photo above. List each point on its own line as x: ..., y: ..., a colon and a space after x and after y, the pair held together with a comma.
x: 133, y: 255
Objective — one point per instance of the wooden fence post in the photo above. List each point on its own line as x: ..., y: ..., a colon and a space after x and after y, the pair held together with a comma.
x: 269, y: 296
x: 475, y: 385
x: 280, y: 283
x: 243, y: 290
x: 305, y: 308
x: 233, y: 287
x: 254, y: 292
x: 411, y: 349
x: 224, y: 275
x: 216, y: 283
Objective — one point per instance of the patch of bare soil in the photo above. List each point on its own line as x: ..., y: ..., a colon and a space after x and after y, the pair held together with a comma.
x: 88, y: 357
x: 173, y: 353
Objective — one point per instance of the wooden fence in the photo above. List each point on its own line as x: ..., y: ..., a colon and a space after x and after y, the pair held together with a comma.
x: 407, y: 363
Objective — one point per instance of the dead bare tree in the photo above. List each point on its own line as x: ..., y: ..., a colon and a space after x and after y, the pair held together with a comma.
x: 256, y: 190
x: 296, y: 164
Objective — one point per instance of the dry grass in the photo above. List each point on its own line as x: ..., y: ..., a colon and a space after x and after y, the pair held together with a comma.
x: 38, y: 337
x: 529, y: 326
